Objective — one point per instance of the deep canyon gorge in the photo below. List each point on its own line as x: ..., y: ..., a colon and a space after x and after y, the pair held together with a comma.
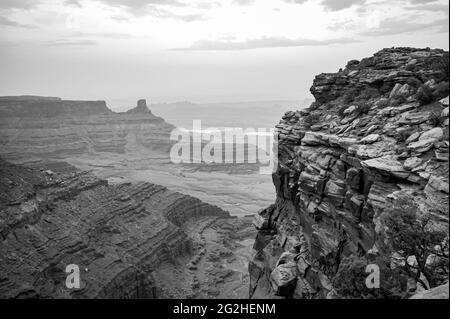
x: 81, y: 184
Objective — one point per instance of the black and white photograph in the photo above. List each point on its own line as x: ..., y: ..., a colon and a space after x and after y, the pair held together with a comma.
x: 260, y: 153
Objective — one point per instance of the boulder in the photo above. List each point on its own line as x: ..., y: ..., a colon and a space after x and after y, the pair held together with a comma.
x: 370, y: 139
x: 440, y: 292
x: 435, y: 134
x: 350, y: 110
x: 421, y: 146
x: 414, y: 118
x: 311, y: 139
x: 283, y: 279
x: 310, y: 183
x: 413, y: 138
x: 387, y: 165
x: 444, y: 102
x: 442, y: 155
x: 437, y: 192
x: 412, y: 162
x: 400, y: 90
x: 260, y: 222
x: 335, y: 191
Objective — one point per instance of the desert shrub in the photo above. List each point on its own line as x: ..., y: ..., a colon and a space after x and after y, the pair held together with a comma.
x: 410, y: 67
x: 330, y: 105
x: 403, y: 135
x: 435, y: 118
x: 312, y: 119
x: 441, y: 91
x: 350, y: 96
x: 314, y: 106
x: 383, y: 103
x: 341, y: 109
x: 412, y: 235
x: 397, y: 100
x: 440, y: 65
x: 414, y: 82
x: 424, y: 95
x: 350, y: 280
x: 368, y: 94
x: 363, y: 108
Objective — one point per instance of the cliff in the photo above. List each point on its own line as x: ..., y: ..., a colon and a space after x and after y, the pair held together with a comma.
x: 55, y: 128
x: 129, y: 240
x: 377, y: 133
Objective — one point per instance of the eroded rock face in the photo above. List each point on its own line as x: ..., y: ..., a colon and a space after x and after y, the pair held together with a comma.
x: 441, y: 292
x: 55, y: 128
x: 129, y: 240
x: 370, y: 136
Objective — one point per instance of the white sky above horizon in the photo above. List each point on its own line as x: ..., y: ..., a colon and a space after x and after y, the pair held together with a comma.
x: 260, y: 49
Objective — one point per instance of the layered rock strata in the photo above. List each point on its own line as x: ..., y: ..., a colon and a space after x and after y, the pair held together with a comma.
x: 55, y: 128
x: 120, y: 236
x: 377, y: 130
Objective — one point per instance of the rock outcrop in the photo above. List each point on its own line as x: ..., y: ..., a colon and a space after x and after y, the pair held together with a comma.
x: 378, y: 130
x: 54, y: 128
x: 124, y: 238
x: 441, y: 292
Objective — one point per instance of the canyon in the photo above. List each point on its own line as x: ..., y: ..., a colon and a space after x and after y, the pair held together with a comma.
x: 375, y: 138
x: 81, y: 184
x: 127, y: 146
x: 130, y: 240
x: 84, y: 190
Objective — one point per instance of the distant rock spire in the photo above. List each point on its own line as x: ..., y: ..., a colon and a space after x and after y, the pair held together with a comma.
x: 141, y: 107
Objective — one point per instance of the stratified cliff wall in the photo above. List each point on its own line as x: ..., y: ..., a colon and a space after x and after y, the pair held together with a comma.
x: 377, y: 130
x: 55, y: 128
x: 118, y: 235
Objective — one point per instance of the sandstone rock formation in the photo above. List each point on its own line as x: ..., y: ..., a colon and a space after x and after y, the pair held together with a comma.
x: 378, y: 130
x: 440, y: 292
x: 55, y: 128
x: 129, y: 240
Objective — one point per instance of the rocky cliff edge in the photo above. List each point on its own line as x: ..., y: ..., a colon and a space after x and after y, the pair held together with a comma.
x: 377, y: 133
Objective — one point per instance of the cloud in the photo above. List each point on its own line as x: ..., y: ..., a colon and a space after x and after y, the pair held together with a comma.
x: 295, y: 1
x: 337, y: 5
x: 208, y: 5
x: 141, y: 4
x: 421, y: 1
x: 17, y: 4
x: 73, y: 2
x: 166, y: 14
x: 70, y: 43
x: 10, y: 23
x: 263, y: 42
x: 109, y: 35
x: 433, y: 7
x: 155, y: 8
x: 243, y: 2
x: 394, y: 26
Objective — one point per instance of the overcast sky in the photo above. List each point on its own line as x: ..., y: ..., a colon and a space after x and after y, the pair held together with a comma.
x: 260, y: 49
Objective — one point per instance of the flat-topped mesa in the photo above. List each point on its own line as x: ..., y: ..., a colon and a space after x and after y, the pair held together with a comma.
x: 54, y: 128
x: 49, y: 107
x: 29, y: 98
x: 377, y: 132
x: 140, y: 108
